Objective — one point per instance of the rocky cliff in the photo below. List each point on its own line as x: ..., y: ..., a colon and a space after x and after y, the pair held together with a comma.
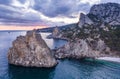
x: 55, y: 33
x: 108, y: 13
x: 84, y: 19
x: 90, y: 42
x: 83, y: 49
x: 31, y: 51
x: 94, y: 36
x: 101, y: 13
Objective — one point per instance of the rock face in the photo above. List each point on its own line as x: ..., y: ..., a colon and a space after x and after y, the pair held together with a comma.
x: 31, y: 51
x: 109, y: 13
x: 84, y: 19
x: 82, y: 49
x: 55, y: 32
x: 93, y: 36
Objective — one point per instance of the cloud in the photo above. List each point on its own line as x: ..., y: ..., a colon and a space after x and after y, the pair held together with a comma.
x: 114, y: 1
x: 5, y: 1
x: 91, y: 2
x: 48, y: 12
x: 17, y: 13
x: 53, y: 8
x: 22, y: 1
x: 12, y: 15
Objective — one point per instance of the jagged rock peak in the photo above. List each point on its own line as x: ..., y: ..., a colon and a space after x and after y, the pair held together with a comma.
x: 108, y: 12
x: 84, y: 19
x: 55, y: 31
x: 31, y: 51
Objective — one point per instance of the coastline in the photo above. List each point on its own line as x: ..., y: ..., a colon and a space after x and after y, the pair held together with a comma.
x: 111, y: 59
x: 53, y: 37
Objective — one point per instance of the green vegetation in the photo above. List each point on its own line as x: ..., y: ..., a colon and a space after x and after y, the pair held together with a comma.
x: 112, y: 38
x: 110, y: 34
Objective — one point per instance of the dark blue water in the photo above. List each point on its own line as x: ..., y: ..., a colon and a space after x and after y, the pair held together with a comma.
x: 66, y: 69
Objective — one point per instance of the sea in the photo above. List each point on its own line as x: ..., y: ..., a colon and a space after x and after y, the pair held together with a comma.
x: 66, y: 69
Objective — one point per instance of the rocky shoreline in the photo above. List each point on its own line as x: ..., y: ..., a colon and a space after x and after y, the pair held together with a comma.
x: 31, y: 51
x: 87, y: 39
x: 93, y: 36
x: 81, y: 50
x: 52, y: 37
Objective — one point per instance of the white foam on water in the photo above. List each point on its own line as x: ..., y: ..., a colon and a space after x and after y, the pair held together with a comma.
x: 114, y: 59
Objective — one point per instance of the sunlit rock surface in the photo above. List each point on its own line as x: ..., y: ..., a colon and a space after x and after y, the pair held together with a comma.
x: 31, y: 51
x: 108, y: 13
x: 82, y: 49
x: 84, y: 19
x: 55, y: 33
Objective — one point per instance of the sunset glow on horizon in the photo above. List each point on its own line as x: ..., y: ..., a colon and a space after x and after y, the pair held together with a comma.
x: 3, y: 27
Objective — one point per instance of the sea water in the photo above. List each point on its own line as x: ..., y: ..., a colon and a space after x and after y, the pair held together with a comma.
x: 66, y: 69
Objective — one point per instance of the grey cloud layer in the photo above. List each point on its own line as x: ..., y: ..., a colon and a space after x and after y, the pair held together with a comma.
x: 10, y: 14
x: 15, y: 16
x: 53, y: 8
x: 5, y: 1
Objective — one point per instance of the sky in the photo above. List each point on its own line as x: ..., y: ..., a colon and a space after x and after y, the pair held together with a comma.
x: 31, y: 14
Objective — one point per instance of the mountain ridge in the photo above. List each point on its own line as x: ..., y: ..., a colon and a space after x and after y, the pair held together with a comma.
x: 107, y: 12
x: 92, y: 36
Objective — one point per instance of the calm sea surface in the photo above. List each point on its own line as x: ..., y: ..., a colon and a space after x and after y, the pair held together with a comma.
x: 66, y: 69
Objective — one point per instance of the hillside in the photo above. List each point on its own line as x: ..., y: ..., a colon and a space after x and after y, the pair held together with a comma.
x: 107, y: 13
x: 93, y: 36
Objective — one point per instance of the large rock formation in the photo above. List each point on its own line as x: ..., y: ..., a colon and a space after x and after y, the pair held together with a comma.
x: 82, y: 49
x: 84, y: 19
x: 31, y: 51
x: 55, y: 32
x: 101, y: 13
x: 108, y: 13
